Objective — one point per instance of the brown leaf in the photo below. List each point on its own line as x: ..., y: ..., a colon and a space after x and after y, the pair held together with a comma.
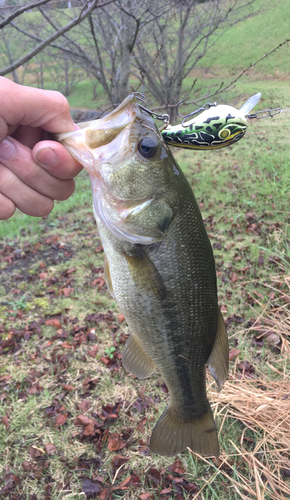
x: 133, y: 480
x: 146, y: 496
x: 61, y: 419
x: 165, y: 491
x: 66, y: 345
x: 72, y: 270
x: 35, y: 452
x: 50, y: 449
x: 84, y: 405
x: 115, y: 442
x: 104, y: 495
x: 90, y: 489
x: 26, y: 465
x: 5, y: 422
x: 82, y: 420
x: 89, y: 429
x: 93, y: 352
x: 121, y: 318
x: 164, y: 388
x: 234, y: 353
x: 105, y: 360
x: 118, y: 461
x: 153, y: 477
x: 53, y: 322
x: 176, y: 467
x: 67, y: 291
x: 68, y: 387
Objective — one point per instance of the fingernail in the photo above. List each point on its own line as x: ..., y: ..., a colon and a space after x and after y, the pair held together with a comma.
x: 7, y: 149
x: 46, y: 157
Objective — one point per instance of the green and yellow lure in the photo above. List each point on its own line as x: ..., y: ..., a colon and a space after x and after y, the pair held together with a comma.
x: 216, y: 127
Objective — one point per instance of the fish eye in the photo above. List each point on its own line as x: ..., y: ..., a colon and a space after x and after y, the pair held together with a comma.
x: 147, y: 147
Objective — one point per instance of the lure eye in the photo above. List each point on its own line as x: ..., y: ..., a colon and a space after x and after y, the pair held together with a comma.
x: 147, y: 147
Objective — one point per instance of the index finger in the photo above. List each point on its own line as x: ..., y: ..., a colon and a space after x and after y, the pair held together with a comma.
x: 20, y: 105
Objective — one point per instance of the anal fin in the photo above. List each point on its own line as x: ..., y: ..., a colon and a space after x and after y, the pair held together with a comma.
x: 172, y: 435
x: 136, y: 360
x: 218, y: 361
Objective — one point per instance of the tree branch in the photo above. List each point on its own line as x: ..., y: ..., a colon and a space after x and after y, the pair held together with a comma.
x: 50, y: 39
x: 22, y: 9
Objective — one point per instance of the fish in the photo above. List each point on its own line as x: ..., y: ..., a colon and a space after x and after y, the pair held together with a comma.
x: 159, y: 266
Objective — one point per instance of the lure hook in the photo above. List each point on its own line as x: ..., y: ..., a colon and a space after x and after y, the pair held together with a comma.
x: 207, y: 105
x: 139, y: 96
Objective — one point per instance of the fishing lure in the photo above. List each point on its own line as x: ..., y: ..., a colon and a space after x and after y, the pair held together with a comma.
x: 217, y: 126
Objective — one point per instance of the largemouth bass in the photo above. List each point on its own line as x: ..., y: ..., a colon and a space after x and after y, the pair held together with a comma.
x: 159, y: 266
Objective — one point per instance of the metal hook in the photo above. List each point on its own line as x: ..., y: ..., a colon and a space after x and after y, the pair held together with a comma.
x: 139, y: 96
x: 207, y: 105
x: 165, y: 118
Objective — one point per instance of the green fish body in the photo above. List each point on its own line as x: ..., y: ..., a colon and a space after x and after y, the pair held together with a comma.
x: 160, y: 268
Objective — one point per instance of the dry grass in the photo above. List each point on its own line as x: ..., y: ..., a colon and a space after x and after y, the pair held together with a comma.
x: 262, y: 406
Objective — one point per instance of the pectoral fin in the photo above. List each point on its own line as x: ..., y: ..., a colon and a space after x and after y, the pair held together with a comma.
x: 108, y: 276
x: 218, y: 361
x: 135, y: 360
x: 144, y: 272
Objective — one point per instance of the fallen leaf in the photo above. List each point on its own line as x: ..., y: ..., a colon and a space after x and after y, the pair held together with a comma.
x: 153, y: 477
x: 177, y: 467
x: 93, y: 352
x: 89, y: 429
x: 234, y: 353
x: 68, y: 387
x: 66, y: 345
x: 104, y: 495
x: 67, y: 291
x: 61, y: 419
x: 165, y: 491
x: 121, y: 318
x: 115, y: 442
x: 35, y: 452
x: 90, y: 489
x: 146, y: 496
x: 84, y: 405
x: 50, y: 449
x: 82, y: 420
x: 133, y: 480
x: 27, y: 466
x: 5, y: 422
x: 53, y: 322
x: 118, y: 461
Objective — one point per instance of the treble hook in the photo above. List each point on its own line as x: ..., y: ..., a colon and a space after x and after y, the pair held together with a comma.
x: 139, y: 96
x: 207, y: 105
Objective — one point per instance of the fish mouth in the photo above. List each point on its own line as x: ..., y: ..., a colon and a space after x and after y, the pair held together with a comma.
x: 122, y: 116
x: 87, y: 145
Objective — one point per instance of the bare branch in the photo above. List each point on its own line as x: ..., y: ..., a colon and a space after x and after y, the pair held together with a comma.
x: 50, y: 39
x: 18, y: 12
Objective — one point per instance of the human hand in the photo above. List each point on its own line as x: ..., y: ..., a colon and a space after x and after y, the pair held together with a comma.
x: 34, y: 171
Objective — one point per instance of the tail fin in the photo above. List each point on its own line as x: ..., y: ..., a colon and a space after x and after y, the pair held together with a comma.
x: 172, y: 435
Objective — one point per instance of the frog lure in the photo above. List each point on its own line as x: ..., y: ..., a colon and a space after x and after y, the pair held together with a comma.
x: 212, y: 126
